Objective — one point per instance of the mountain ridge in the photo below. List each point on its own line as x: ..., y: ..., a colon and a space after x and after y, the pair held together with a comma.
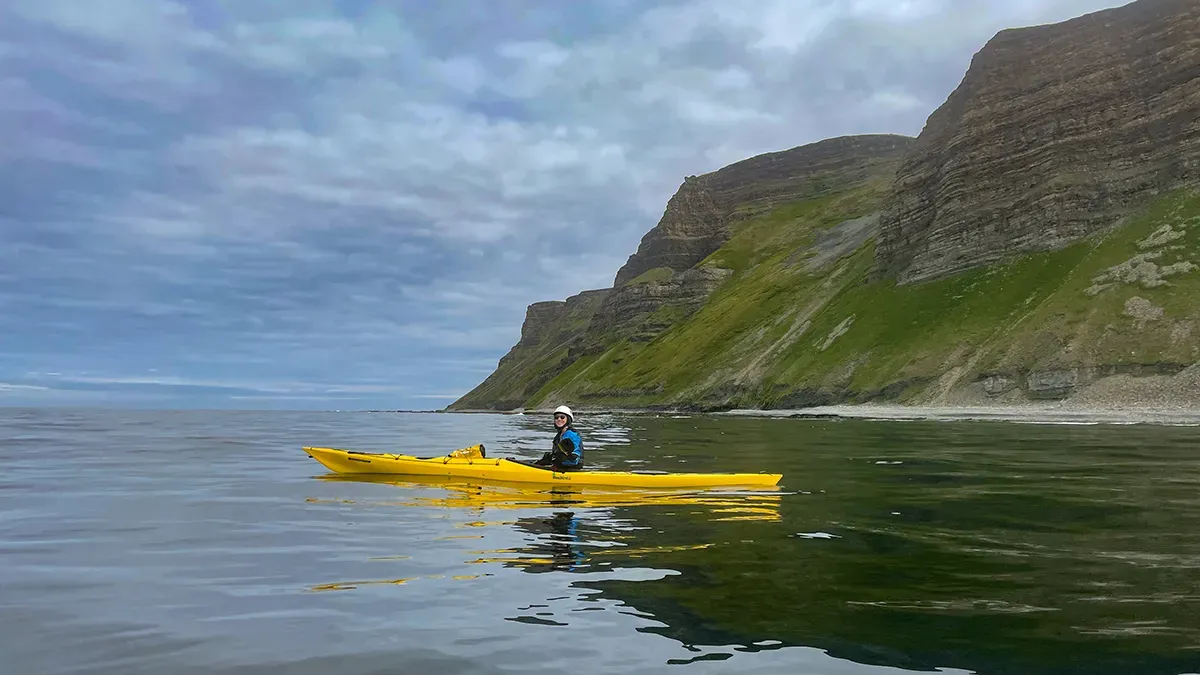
x: 1038, y: 241
x: 673, y: 272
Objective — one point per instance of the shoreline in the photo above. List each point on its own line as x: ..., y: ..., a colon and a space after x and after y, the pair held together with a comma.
x: 1026, y: 412
x: 1031, y: 413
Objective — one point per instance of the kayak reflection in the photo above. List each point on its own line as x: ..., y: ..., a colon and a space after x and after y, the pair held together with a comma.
x: 757, y: 504
x: 582, y: 533
x: 592, y: 535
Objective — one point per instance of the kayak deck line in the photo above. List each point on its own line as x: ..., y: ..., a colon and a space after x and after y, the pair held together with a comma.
x: 466, y: 463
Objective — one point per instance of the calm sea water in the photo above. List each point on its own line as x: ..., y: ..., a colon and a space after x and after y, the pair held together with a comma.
x: 208, y: 542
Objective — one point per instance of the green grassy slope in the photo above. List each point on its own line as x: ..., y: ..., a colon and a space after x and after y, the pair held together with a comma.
x: 747, y: 310
x: 778, y: 334
x: 528, y: 365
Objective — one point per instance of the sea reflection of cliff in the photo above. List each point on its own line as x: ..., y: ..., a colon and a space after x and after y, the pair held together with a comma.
x: 721, y: 572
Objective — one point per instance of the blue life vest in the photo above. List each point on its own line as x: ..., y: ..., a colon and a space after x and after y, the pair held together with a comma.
x: 571, y: 445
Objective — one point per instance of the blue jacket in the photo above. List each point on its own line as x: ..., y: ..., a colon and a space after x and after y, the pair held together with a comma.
x: 570, y: 445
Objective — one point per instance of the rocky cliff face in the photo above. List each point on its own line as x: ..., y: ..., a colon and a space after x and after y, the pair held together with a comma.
x: 541, y: 319
x: 701, y: 215
x: 1055, y: 133
x: 692, y: 227
x: 634, y: 311
x: 662, y: 284
x: 550, y: 330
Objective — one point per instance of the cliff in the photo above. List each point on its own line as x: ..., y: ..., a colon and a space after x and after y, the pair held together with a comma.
x: 1056, y: 133
x: 1039, y: 240
x: 545, y: 347
x: 670, y: 276
x: 700, y: 217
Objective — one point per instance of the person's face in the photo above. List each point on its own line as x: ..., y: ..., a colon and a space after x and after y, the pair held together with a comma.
x: 560, y: 420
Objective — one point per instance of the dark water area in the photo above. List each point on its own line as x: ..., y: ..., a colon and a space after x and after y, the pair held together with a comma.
x: 208, y: 542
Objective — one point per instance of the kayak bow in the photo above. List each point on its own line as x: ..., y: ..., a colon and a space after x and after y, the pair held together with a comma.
x: 470, y: 463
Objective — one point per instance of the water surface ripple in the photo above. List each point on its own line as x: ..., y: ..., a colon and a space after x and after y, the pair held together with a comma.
x: 208, y: 542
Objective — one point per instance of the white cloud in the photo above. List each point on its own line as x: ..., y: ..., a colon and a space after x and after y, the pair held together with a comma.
x: 263, y: 388
x: 11, y: 387
x: 486, y: 337
x: 139, y: 24
x: 451, y: 174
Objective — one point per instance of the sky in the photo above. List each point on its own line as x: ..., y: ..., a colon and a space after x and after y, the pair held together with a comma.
x: 348, y: 204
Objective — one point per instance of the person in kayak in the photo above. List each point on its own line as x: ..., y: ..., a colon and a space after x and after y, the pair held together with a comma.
x: 566, y: 451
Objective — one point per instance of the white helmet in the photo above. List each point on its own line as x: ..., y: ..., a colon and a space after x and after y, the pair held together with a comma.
x: 566, y: 411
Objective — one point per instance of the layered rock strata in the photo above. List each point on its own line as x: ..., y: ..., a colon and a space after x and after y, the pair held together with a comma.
x: 1055, y: 133
x: 547, y: 334
x: 702, y: 214
x: 662, y: 283
x: 629, y: 311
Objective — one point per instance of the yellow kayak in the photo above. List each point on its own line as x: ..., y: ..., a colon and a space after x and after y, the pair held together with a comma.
x: 470, y: 462
x: 727, y: 503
